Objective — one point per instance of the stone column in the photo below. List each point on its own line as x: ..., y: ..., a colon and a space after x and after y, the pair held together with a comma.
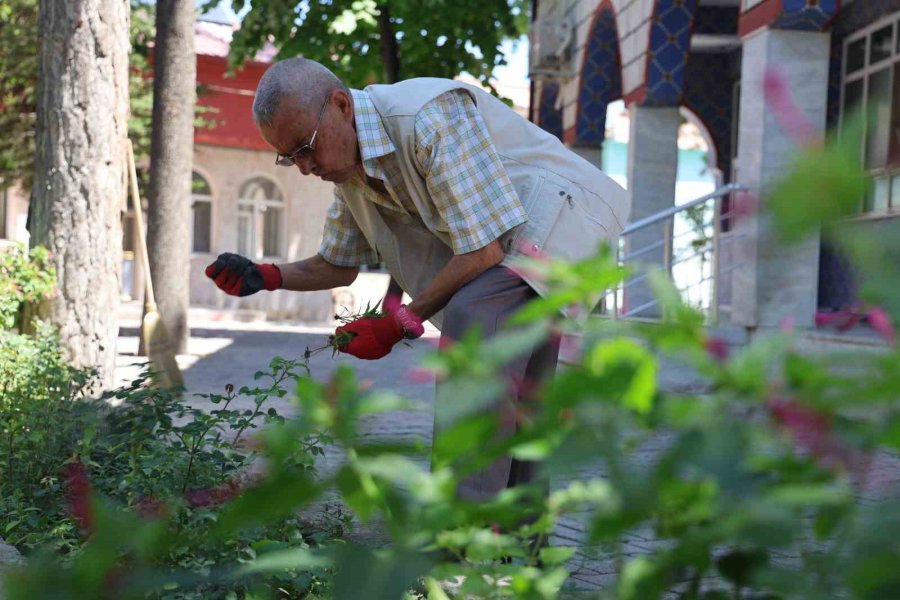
x: 772, y: 282
x: 652, y: 170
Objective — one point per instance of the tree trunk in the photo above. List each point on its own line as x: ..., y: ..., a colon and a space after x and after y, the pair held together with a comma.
x: 171, y: 159
x: 79, y: 176
x: 390, y: 54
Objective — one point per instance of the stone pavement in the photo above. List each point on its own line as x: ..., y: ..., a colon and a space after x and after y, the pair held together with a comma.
x: 223, y: 352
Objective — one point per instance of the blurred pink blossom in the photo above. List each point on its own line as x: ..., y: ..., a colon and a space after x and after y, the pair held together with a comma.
x: 744, y: 204
x: 790, y: 118
x: 213, y: 496
x: 150, y: 508
x: 843, y: 320
x: 716, y: 348
x: 813, y: 433
x: 880, y: 321
x: 421, y: 374
x: 786, y: 324
x: 78, y: 500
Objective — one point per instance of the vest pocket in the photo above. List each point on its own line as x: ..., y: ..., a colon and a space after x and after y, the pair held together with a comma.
x: 563, y: 222
x: 577, y: 232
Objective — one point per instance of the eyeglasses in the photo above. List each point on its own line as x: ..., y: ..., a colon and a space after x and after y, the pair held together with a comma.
x: 307, y: 149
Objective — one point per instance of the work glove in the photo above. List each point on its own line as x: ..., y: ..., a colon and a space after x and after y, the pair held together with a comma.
x: 374, y: 337
x: 239, y: 276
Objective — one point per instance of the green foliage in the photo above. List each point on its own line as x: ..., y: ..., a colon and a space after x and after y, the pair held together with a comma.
x: 168, y: 466
x: 824, y: 185
x: 18, y: 72
x: 750, y: 489
x: 435, y: 38
x: 18, y: 81
x: 25, y: 277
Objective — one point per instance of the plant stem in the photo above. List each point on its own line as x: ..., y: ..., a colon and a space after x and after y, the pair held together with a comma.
x: 277, y: 381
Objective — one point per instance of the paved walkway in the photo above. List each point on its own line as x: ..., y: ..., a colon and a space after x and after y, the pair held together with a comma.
x: 223, y: 352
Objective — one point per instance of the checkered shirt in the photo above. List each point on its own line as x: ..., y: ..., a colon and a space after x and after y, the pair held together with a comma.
x: 467, y: 183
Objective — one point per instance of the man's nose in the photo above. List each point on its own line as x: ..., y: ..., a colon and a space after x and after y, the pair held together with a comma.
x: 304, y: 163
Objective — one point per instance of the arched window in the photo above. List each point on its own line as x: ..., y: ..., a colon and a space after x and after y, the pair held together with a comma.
x: 260, y: 210
x: 201, y: 207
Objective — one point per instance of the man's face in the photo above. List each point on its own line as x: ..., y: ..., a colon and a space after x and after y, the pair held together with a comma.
x: 335, y: 156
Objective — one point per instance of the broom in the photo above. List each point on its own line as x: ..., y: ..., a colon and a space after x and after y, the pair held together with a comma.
x: 160, y: 350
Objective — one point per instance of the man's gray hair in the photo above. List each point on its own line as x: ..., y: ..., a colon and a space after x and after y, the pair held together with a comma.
x: 300, y: 80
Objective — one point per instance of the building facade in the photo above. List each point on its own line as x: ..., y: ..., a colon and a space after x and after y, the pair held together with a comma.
x: 706, y: 60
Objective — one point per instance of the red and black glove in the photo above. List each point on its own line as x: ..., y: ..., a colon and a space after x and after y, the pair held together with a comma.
x: 374, y: 337
x: 239, y: 276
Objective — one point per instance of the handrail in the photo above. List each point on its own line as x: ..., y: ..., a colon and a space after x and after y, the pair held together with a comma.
x: 669, y: 212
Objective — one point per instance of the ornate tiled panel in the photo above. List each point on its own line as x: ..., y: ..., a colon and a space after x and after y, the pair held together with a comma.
x: 600, y: 79
x: 670, y: 39
x: 550, y: 117
x: 806, y: 15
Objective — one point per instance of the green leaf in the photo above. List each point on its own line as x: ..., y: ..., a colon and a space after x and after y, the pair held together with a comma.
x: 556, y: 555
x: 640, y: 580
x: 810, y: 494
x: 631, y: 370
x: 379, y: 575
x: 273, y: 498
x: 824, y: 185
x: 274, y: 562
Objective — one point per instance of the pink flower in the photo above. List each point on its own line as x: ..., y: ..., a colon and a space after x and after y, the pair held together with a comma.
x: 213, y: 496
x: 880, y: 321
x: 789, y: 117
x: 843, y: 320
x: 150, y: 508
x: 812, y: 433
x: 786, y: 324
x: 421, y: 375
x: 79, y: 495
x: 744, y: 204
x: 716, y: 348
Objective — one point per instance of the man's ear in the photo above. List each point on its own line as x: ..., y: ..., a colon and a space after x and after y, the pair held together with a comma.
x: 343, y: 102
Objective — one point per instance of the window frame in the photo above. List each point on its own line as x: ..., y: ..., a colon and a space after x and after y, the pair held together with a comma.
x: 209, y: 199
x: 892, y: 62
x: 257, y: 217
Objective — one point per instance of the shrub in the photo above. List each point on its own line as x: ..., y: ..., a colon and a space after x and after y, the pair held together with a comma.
x: 148, y: 451
x: 25, y: 277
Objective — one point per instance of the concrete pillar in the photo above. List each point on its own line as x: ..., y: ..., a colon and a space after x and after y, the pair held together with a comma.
x: 772, y: 282
x: 593, y: 155
x: 652, y: 170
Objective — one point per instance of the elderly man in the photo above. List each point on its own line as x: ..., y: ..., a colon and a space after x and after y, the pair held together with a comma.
x: 442, y: 182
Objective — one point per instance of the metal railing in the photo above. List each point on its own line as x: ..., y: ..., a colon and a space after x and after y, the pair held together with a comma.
x: 689, y: 250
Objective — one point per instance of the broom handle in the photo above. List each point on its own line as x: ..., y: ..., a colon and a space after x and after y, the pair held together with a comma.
x: 139, y: 222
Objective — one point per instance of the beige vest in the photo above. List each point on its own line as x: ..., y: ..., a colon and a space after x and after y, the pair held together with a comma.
x: 572, y: 206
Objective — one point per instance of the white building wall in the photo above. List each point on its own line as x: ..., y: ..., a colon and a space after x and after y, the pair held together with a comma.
x: 633, y: 19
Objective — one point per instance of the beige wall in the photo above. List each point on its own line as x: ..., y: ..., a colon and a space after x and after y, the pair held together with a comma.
x: 306, y: 203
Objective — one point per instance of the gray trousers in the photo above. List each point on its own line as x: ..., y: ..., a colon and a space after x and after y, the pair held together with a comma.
x: 487, y: 301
